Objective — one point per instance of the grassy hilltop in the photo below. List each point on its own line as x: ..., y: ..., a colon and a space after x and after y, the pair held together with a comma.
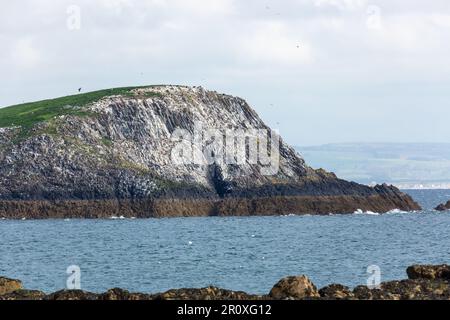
x: 26, y: 115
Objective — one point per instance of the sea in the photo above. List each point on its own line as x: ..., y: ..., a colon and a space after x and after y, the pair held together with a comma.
x: 237, y: 253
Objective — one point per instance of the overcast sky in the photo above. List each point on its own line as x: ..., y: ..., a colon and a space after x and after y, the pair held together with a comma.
x: 320, y: 71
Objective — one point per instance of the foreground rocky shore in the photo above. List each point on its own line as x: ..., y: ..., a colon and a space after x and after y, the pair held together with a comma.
x: 425, y: 282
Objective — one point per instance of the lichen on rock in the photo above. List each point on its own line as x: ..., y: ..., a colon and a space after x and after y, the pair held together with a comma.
x: 9, y: 285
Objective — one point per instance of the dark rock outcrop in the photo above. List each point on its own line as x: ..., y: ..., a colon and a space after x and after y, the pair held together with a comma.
x: 114, y: 157
x: 443, y: 207
x: 72, y: 295
x: 440, y: 272
x: 120, y: 294
x: 24, y: 295
x: 419, y: 289
x: 210, y: 293
x: 336, y: 292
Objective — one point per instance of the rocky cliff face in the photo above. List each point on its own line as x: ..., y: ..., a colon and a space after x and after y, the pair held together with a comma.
x: 115, y: 156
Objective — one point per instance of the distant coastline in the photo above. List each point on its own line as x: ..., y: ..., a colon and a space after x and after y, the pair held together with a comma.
x: 413, y: 166
x: 422, y: 186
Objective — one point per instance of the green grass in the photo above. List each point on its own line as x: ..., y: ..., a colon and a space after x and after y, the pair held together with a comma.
x: 28, y: 114
x: 107, y: 142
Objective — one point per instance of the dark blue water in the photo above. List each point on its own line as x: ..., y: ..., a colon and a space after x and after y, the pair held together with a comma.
x: 249, y: 254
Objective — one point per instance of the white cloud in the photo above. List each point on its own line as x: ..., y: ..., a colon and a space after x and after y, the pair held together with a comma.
x: 24, y: 54
x: 342, y: 4
x: 117, y: 5
x: 440, y: 20
x: 272, y: 43
x: 415, y: 34
x: 201, y: 7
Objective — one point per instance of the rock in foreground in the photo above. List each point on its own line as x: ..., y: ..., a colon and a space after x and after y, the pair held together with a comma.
x: 294, y: 288
x: 9, y: 285
x: 439, y: 272
x: 336, y: 292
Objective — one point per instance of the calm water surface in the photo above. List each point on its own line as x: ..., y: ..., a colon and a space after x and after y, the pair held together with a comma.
x: 249, y: 254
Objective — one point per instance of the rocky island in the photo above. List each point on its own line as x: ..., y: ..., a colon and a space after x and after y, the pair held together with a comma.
x: 110, y: 153
x: 443, y: 207
x: 425, y: 282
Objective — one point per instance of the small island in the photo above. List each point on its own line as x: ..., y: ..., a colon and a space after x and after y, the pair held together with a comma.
x: 111, y: 153
x: 443, y: 207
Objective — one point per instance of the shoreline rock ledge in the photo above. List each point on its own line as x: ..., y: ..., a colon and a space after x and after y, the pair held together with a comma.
x: 425, y: 282
x: 108, y: 153
x: 443, y: 207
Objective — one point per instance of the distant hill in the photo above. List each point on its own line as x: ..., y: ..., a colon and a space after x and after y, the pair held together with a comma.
x: 409, y: 165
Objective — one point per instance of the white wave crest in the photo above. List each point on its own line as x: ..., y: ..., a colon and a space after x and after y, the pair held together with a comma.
x: 117, y: 218
x: 396, y: 211
x: 370, y: 213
